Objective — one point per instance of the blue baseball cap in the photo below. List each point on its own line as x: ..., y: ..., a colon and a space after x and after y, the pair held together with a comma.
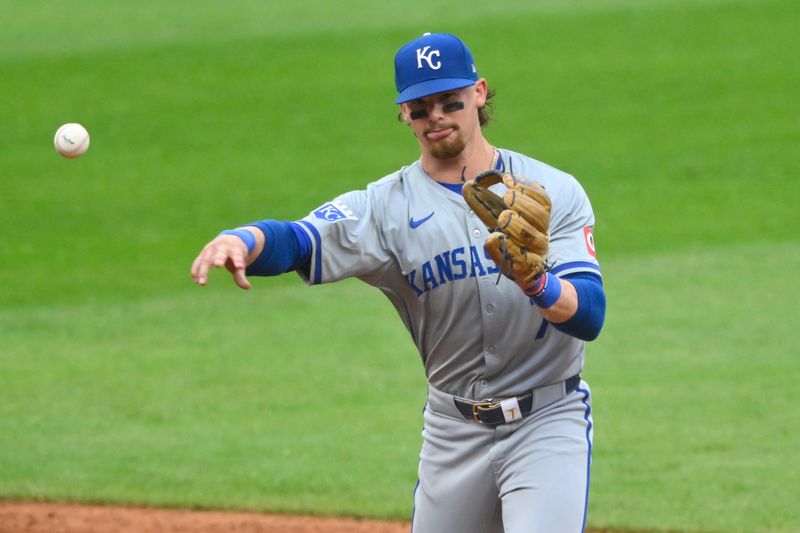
x: 434, y: 63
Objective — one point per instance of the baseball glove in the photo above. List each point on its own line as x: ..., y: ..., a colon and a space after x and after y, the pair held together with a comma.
x: 518, y: 223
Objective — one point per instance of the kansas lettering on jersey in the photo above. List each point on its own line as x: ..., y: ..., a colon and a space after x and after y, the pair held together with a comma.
x: 418, y: 242
x: 451, y: 265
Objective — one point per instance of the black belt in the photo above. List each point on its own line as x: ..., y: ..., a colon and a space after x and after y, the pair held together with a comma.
x: 490, y: 412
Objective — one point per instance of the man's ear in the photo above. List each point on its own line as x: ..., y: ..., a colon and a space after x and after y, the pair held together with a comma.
x: 481, y: 90
x: 405, y: 114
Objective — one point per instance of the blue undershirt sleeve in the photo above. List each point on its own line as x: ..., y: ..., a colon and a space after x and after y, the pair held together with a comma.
x: 287, y: 248
x: 588, y: 320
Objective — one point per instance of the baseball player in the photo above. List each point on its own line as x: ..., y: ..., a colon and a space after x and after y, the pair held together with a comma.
x: 488, y: 257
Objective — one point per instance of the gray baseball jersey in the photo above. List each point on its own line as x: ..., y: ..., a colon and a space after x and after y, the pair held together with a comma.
x: 420, y: 244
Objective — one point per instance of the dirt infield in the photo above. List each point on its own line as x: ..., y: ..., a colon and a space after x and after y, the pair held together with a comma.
x: 16, y: 517
x: 67, y: 518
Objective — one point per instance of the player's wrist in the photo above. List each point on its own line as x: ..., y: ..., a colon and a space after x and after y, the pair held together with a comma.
x: 245, y: 235
x: 546, y: 291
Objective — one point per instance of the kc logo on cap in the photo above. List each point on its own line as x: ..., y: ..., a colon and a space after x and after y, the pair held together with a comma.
x: 433, y: 63
x: 421, y: 54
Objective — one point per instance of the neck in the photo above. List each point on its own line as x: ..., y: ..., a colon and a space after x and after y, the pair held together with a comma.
x: 475, y: 159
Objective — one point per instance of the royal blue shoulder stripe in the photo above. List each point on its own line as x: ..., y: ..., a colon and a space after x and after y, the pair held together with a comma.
x: 575, y: 266
x: 317, y: 279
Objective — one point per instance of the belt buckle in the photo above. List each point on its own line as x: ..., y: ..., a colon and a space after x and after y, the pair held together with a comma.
x: 482, y: 405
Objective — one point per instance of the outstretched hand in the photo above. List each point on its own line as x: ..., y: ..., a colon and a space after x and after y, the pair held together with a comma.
x: 225, y: 250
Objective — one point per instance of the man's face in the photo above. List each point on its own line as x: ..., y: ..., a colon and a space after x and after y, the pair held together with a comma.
x: 445, y: 122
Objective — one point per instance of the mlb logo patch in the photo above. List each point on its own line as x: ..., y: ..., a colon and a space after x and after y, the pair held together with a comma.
x: 331, y: 212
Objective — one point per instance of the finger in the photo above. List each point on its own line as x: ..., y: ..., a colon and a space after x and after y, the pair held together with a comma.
x: 195, y: 265
x: 204, y: 264
x: 237, y: 260
x: 240, y: 278
x: 198, y: 260
x: 236, y: 266
x: 220, y: 256
x: 201, y: 278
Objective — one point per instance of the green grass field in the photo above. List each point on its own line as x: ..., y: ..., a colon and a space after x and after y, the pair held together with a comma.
x: 120, y: 381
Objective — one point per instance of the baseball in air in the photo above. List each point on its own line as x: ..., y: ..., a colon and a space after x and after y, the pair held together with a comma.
x: 71, y: 140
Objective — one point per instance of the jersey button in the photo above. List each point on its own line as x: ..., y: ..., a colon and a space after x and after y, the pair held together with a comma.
x: 492, y: 349
x: 490, y: 308
x: 476, y: 232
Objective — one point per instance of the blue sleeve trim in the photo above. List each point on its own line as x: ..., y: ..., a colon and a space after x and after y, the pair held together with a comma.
x: 283, y: 250
x: 589, y: 276
x: 588, y: 319
x: 575, y: 265
x: 316, y: 252
x: 304, y: 242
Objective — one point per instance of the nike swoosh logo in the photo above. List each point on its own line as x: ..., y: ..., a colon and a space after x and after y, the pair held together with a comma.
x: 417, y: 223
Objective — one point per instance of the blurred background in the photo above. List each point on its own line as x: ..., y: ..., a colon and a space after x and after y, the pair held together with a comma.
x: 122, y: 382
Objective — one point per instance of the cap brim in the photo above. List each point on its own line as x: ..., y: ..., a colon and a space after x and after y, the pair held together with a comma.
x: 429, y: 87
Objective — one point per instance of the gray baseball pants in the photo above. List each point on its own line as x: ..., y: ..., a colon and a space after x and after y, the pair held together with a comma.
x: 530, y: 476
